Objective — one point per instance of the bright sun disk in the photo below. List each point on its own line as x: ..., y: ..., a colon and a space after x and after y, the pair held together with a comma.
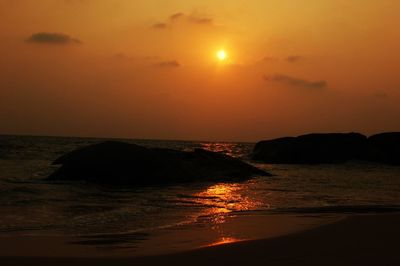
x: 221, y: 55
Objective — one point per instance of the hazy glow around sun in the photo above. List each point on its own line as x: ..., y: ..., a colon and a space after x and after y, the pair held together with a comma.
x: 222, y: 55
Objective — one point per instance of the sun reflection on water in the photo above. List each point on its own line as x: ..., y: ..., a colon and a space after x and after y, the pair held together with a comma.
x: 225, y: 240
x: 225, y: 198
x: 231, y: 149
x: 224, y: 201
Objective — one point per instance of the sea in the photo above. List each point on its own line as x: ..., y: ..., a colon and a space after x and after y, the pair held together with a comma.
x: 30, y: 205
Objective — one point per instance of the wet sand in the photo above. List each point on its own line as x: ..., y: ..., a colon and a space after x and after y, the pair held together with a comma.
x: 356, y: 240
x: 205, y: 232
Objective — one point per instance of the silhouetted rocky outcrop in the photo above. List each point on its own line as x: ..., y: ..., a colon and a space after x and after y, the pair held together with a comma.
x: 330, y: 148
x: 122, y: 163
x: 311, y: 149
x: 384, y: 148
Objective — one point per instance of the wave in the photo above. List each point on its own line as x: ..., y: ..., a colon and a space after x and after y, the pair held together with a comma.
x: 346, y: 209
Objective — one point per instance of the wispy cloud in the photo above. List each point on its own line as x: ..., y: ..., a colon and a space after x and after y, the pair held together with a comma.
x: 294, y: 58
x: 296, y: 82
x: 168, y: 64
x: 289, y: 59
x: 160, y: 26
x: 52, y: 38
x: 381, y: 95
x: 269, y: 59
x: 200, y: 20
x: 176, y: 16
x: 181, y: 17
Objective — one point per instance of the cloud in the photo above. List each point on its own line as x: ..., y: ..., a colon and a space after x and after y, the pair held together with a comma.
x: 160, y: 26
x: 126, y: 57
x: 200, y: 20
x: 296, y: 82
x: 269, y: 59
x: 381, y: 95
x: 191, y: 19
x: 176, y: 16
x: 52, y: 38
x: 294, y: 58
x: 288, y: 59
x: 74, y: 1
x: 168, y: 64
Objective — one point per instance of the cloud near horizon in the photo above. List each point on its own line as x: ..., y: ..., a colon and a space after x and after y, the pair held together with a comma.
x: 200, y: 20
x: 294, y: 58
x: 168, y: 64
x: 381, y: 95
x: 269, y: 59
x: 52, y: 38
x: 296, y: 82
x: 288, y: 59
x: 160, y: 26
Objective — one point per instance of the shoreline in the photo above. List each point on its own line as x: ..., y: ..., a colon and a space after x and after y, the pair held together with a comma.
x: 368, y: 239
x: 204, y: 232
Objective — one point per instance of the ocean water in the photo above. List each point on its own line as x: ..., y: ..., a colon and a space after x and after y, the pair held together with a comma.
x: 31, y: 206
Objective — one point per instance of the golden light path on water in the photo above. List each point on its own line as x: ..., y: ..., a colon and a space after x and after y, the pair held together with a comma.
x: 225, y: 240
x: 223, y: 199
x: 231, y: 149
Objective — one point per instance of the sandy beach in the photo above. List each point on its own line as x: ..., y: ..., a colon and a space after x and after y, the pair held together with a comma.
x: 354, y: 240
x: 202, y: 233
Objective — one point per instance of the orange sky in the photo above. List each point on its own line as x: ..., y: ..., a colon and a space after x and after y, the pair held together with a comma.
x: 147, y: 69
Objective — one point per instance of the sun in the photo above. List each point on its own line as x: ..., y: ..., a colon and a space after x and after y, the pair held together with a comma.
x: 221, y: 55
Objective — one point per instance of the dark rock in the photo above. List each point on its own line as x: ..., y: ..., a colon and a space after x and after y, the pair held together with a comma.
x: 122, y: 163
x: 311, y: 149
x: 384, y: 148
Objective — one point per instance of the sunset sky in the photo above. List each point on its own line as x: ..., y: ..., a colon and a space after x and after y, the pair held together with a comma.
x: 149, y: 68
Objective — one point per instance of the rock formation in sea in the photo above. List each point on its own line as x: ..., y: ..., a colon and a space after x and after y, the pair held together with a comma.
x: 384, y: 148
x: 330, y: 148
x: 311, y: 149
x: 115, y: 162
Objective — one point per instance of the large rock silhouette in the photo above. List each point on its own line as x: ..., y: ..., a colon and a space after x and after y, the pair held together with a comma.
x: 311, y: 149
x: 115, y: 162
x: 384, y: 148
